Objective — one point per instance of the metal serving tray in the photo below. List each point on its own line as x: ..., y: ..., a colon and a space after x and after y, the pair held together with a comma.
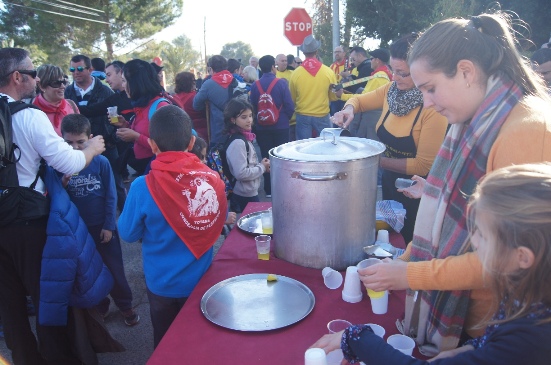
x: 252, y: 303
x: 252, y: 223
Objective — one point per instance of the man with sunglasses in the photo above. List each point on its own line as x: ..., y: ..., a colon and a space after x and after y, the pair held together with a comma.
x: 23, y: 240
x: 87, y: 91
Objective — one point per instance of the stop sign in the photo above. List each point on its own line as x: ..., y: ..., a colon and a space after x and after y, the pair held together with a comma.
x: 297, y: 25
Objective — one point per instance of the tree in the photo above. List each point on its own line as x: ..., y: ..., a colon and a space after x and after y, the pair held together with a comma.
x: 323, y: 29
x: 237, y: 50
x: 179, y: 56
x: 119, y: 23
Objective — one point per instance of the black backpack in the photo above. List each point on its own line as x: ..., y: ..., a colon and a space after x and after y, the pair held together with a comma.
x: 17, y: 203
x: 217, y: 161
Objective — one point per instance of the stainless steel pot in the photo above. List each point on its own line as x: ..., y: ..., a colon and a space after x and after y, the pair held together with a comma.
x: 324, y: 193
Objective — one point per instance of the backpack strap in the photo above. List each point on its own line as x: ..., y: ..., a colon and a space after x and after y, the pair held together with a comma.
x: 272, y: 84
x: 73, y: 105
x: 259, y: 86
x: 153, y: 107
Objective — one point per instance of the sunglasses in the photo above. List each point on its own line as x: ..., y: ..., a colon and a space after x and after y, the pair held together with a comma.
x: 57, y: 84
x: 31, y: 73
x: 79, y: 69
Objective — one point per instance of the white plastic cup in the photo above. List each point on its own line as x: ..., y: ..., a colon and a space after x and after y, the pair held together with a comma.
x: 378, y: 330
x: 368, y: 262
x: 352, y: 290
x: 402, y: 343
x: 315, y: 356
x: 267, y: 223
x: 335, y: 357
x: 337, y: 325
x: 113, y: 114
x: 382, y: 236
x: 331, y: 278
x: 263, y: 247
x: 379, y: 301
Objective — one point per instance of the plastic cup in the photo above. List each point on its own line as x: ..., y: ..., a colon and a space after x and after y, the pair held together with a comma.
x: 352, y: 291
x: 402, y: 343
x: 378, y: 330
x: 113, y: 114
x: 373, y: 294
x: 331, y: 278
x: 379, y: 301
x: 337, y: 325
x: 263, y: 247
x: 382, y: 236
x: 335, y: 357
x: 404, y: 183
x: 267, y: 223
x: 315, y: 356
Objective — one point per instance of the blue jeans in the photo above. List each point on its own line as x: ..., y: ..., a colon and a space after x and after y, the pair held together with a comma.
x: 306, y: 123
x: 111, y: 254
x: 163, y: 311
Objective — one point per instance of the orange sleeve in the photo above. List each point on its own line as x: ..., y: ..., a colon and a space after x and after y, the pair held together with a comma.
x: 462, y: 272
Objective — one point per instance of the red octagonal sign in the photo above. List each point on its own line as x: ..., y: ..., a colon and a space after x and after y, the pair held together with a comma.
x: 297, y: 25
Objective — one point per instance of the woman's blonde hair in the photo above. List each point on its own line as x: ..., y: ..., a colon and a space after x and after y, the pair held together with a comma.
x: 48, y: 74
x: 487, y: 40
x: 518, y: 201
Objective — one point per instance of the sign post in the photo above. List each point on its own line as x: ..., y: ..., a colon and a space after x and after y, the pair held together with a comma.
x: 297, y: 25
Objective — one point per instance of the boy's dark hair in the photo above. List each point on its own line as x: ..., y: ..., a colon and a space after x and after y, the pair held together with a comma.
x: 399, y: 49
x: 218, y: 63
x: 117, y: 65
x: 233, y: 109
x: 198, y: 148
x: 75, y: 124
x: 81, y: 57
x: 98, y: 64
x: 170, y: 128
x: 266, y: 63
x: 233, y: 65
x: 141, y: 80
x: 541, y: 56
x: 359, y: 50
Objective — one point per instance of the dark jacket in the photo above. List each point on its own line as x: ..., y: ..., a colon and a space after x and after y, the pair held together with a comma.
x: 118, y: 99
x: 100, y: 124
x: 72, y: 273
x: 281, y: 96
x: 364, y: 70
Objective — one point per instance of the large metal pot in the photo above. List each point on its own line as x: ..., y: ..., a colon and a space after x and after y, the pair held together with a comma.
x: 324, y: 193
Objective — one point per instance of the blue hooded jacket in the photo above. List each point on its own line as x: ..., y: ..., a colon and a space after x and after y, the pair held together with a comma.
x: 73, y: 273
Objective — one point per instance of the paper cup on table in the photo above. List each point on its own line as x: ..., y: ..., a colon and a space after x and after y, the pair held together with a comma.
x: 378, y: 330
x: 331, y: 278
x: 337, y: 325
x: 382, y: 236
x: 315, y: 356
x: 352, y: 291
x: 263, y: 247
x: 402, y: 343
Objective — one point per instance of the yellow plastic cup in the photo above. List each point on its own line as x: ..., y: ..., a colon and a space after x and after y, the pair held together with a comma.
x: 375, y: 294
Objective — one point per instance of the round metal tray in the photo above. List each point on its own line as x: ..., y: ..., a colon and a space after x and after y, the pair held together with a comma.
x: 251, y: 223
x: 251, y: 303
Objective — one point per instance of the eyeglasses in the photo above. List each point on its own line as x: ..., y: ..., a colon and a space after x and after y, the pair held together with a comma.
x: 57, y: 84
x: 31, y: 73
x: 79, y: 68
x: 299, y: 63
x: 402, y: 75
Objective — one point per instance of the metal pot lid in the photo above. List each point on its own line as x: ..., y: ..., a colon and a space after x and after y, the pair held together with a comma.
x: 330, y: 146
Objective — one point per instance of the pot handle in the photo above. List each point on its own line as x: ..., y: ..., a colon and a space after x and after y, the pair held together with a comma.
x: 308, y: 177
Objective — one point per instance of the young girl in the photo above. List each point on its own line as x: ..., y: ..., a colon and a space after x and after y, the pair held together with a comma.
x: 509, y: 219
x: 242, y: 160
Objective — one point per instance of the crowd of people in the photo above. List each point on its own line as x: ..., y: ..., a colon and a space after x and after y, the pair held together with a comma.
x: 455, y: 106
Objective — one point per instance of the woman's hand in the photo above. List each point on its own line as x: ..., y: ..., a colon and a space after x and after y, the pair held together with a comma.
x: 329, y: 342
x: 389, y: 275
x: 266, y: 163
x: 232, y: 216
x: 414, y: 191
x: 344, y: 117
x: 127, y: 134
x: 122, y: 123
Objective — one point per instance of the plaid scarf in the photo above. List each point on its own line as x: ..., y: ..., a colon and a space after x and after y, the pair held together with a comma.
x: 436, y: 318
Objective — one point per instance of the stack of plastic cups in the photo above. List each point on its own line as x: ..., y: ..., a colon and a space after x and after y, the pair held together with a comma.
x: 315, y: 356
x: 379, y: 300
x: 352, y: 290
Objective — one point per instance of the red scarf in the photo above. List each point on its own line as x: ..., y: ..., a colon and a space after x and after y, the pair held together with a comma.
x: 223, y: 78
x: 58, y: 111
x: 191, y: 197
x: 336, y: 66
x: 385, y: 69
x: 312, y: 65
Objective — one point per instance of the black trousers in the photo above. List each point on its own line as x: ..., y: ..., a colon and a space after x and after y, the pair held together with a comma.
x: 268, y: 139
x: 21, y: 247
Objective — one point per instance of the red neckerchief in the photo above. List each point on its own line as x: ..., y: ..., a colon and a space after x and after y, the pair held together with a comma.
x: 336, y: 66
x: 385, y: 69
x: 312, y: 65
x: 60, y: 110
x: 190, y: 196
x: 223, y: 78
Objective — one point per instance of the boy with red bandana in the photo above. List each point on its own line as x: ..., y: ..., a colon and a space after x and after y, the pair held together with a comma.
x: 178, y: 211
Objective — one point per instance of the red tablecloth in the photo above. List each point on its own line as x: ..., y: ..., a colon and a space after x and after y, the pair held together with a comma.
x: 192, y: 339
